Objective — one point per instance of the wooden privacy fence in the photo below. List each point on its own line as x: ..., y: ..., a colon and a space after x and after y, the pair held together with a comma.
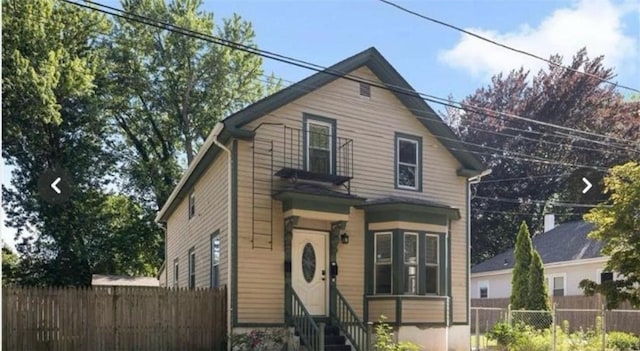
x: 578, y: 311
x: 113, y: 318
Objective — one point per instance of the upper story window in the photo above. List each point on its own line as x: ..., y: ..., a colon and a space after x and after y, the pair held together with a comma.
x: 483, y: 288
x: 320, y: 144
x: 192, y: 268
x: 215, y: 260
x: 408, y: 162
x: 192, y: 204
x: 383, y: 263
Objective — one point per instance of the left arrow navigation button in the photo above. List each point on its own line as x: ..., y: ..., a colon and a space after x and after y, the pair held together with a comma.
x: 54, y: 185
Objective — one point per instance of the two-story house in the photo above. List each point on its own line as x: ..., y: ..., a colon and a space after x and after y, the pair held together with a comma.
x: 336, y: 200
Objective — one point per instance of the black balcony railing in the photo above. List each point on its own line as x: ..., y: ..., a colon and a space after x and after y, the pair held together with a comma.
x: 317, y: 156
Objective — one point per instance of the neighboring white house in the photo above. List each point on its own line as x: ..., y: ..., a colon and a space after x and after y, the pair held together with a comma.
x: 568, y: 254
x: 123, y: 280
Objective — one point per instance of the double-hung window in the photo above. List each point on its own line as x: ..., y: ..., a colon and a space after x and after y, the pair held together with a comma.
x: 192, y: 205
x: 408, y: 162
x: 556, y: 284
x: 215, y: 260
x: 431, y: 264
x: 192, y: 269
x: 411, y: 263
x: 383, y: 263
x: 320, y: 149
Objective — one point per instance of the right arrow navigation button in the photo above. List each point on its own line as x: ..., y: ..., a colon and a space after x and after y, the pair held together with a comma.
x: 584, y: 191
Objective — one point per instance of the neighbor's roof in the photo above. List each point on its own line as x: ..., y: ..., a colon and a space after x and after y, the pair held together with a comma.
x: 566, y: 242
x: 123, y: 280
x: 471, y: 164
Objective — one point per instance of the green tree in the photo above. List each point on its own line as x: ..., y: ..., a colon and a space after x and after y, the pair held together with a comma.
x: 54, y: 80
x: 169, y: 90
x: 537, y: 298
x: 553, y: 95
x: 617, y: 225
x: 10, y: 261
x: 520, y: 276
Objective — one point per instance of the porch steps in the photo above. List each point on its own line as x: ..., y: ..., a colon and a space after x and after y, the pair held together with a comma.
x: 333, y: 341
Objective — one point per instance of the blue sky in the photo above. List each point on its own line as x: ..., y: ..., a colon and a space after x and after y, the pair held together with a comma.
x: 434, y: 59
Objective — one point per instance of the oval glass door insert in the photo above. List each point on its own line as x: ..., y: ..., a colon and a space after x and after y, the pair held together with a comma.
x: 308, y: 262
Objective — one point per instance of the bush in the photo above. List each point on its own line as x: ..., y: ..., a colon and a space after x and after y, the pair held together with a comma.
x: 259, y: 340
x: 505, y: 335
x: 384, y: 339
x: 621, y: 341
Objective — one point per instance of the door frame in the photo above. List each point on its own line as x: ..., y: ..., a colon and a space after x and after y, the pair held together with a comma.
x: 325, y: 234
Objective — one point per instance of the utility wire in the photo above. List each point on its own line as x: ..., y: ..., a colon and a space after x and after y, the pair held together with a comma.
x: 528, y: 201
x: 477, y: 36
x: 301, y: 87
x: 300, y: 63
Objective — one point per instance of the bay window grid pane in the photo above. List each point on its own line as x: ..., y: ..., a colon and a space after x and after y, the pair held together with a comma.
x: 411, y: 263
x: 383, y: 264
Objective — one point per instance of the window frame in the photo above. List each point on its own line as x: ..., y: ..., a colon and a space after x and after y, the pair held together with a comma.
x: 551, y: 283
x: 437, y: 265
x: 416, y: 264
x: 376, y: 264
x: 215, y: 265
x: 191, y: 262
x: 176, y: 272
x: 483, y: 284
x: 417, y: 141
x: 192, y: 204
x: 322, y: 121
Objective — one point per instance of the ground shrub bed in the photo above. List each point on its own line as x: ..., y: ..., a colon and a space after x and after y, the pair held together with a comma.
x: 522, y: 337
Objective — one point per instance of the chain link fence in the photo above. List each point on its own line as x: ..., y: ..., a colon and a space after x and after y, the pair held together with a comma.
x: 556, y: 330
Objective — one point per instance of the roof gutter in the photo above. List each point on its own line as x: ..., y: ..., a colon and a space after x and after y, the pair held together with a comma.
x: 215, y: 134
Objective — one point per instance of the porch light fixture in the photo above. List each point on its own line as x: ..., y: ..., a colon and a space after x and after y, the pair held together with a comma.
x: 344, y: 238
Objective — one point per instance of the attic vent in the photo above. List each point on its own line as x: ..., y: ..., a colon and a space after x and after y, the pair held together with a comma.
x: 365, y: 89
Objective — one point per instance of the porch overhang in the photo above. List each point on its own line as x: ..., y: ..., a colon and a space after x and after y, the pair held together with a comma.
x: 397, y: 209
x: 315, y: 202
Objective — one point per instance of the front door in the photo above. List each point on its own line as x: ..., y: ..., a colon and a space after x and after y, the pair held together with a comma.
x: 308, y: 274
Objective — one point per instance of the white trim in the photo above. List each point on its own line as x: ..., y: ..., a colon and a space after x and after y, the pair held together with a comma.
x: 311, y: 120
x: 416, y: 165
x: 375, y: 260
x: 551, y: 285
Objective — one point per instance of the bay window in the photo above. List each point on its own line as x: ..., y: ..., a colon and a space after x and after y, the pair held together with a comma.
x: 383, y: 263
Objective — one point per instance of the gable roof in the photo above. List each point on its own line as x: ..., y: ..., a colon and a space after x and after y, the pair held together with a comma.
x: 390, y: 78
x: 471, y: 164
x: 566, y: 242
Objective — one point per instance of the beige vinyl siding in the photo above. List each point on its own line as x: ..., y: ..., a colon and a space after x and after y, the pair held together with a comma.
x: 372, y: 124
x: 260, y: 271
x: 423, y: 311
x: 385, y: 308
x: 211, y: 215
x: 350, y: 259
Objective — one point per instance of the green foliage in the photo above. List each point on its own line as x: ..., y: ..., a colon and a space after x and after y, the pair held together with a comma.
x: 537, y: 298
x: 384, y: 339
x: 169, y: 90
x: 505, y: 334
x: 520, y: 280
x: 54, y: 102
x: 10, y: 261
x: 617, y: 224
x: 259, y: 340
x: 621, y: 341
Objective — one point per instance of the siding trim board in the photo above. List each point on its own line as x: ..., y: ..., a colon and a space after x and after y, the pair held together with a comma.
x: 234, y: 234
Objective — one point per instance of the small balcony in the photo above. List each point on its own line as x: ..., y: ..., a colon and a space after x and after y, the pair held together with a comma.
x: 316, y: 154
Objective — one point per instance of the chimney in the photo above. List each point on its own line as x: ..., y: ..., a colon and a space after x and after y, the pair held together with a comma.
x: 549, y: 222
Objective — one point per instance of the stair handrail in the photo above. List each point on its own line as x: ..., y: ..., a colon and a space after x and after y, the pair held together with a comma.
x: 309, y: 330
x: 347, y: 320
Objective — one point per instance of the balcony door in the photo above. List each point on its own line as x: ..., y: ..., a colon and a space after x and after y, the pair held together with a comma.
x: 319, y: 151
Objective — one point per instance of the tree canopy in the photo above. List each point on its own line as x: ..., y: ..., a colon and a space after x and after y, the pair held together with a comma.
x: 617, y: 224
x: 536, y: 166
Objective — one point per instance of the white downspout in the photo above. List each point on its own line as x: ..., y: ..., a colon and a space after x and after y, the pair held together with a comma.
x: 216, y: 133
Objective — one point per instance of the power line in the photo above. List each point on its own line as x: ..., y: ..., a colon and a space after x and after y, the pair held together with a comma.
x: 528, y: 201
x: 314, y: 67
x: 302, y: 87
x: 521, y: 213
x: 524, y: 178
x: 477, y: 36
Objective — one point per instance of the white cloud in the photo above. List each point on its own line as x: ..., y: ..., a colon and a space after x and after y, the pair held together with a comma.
x: 594, y: 24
